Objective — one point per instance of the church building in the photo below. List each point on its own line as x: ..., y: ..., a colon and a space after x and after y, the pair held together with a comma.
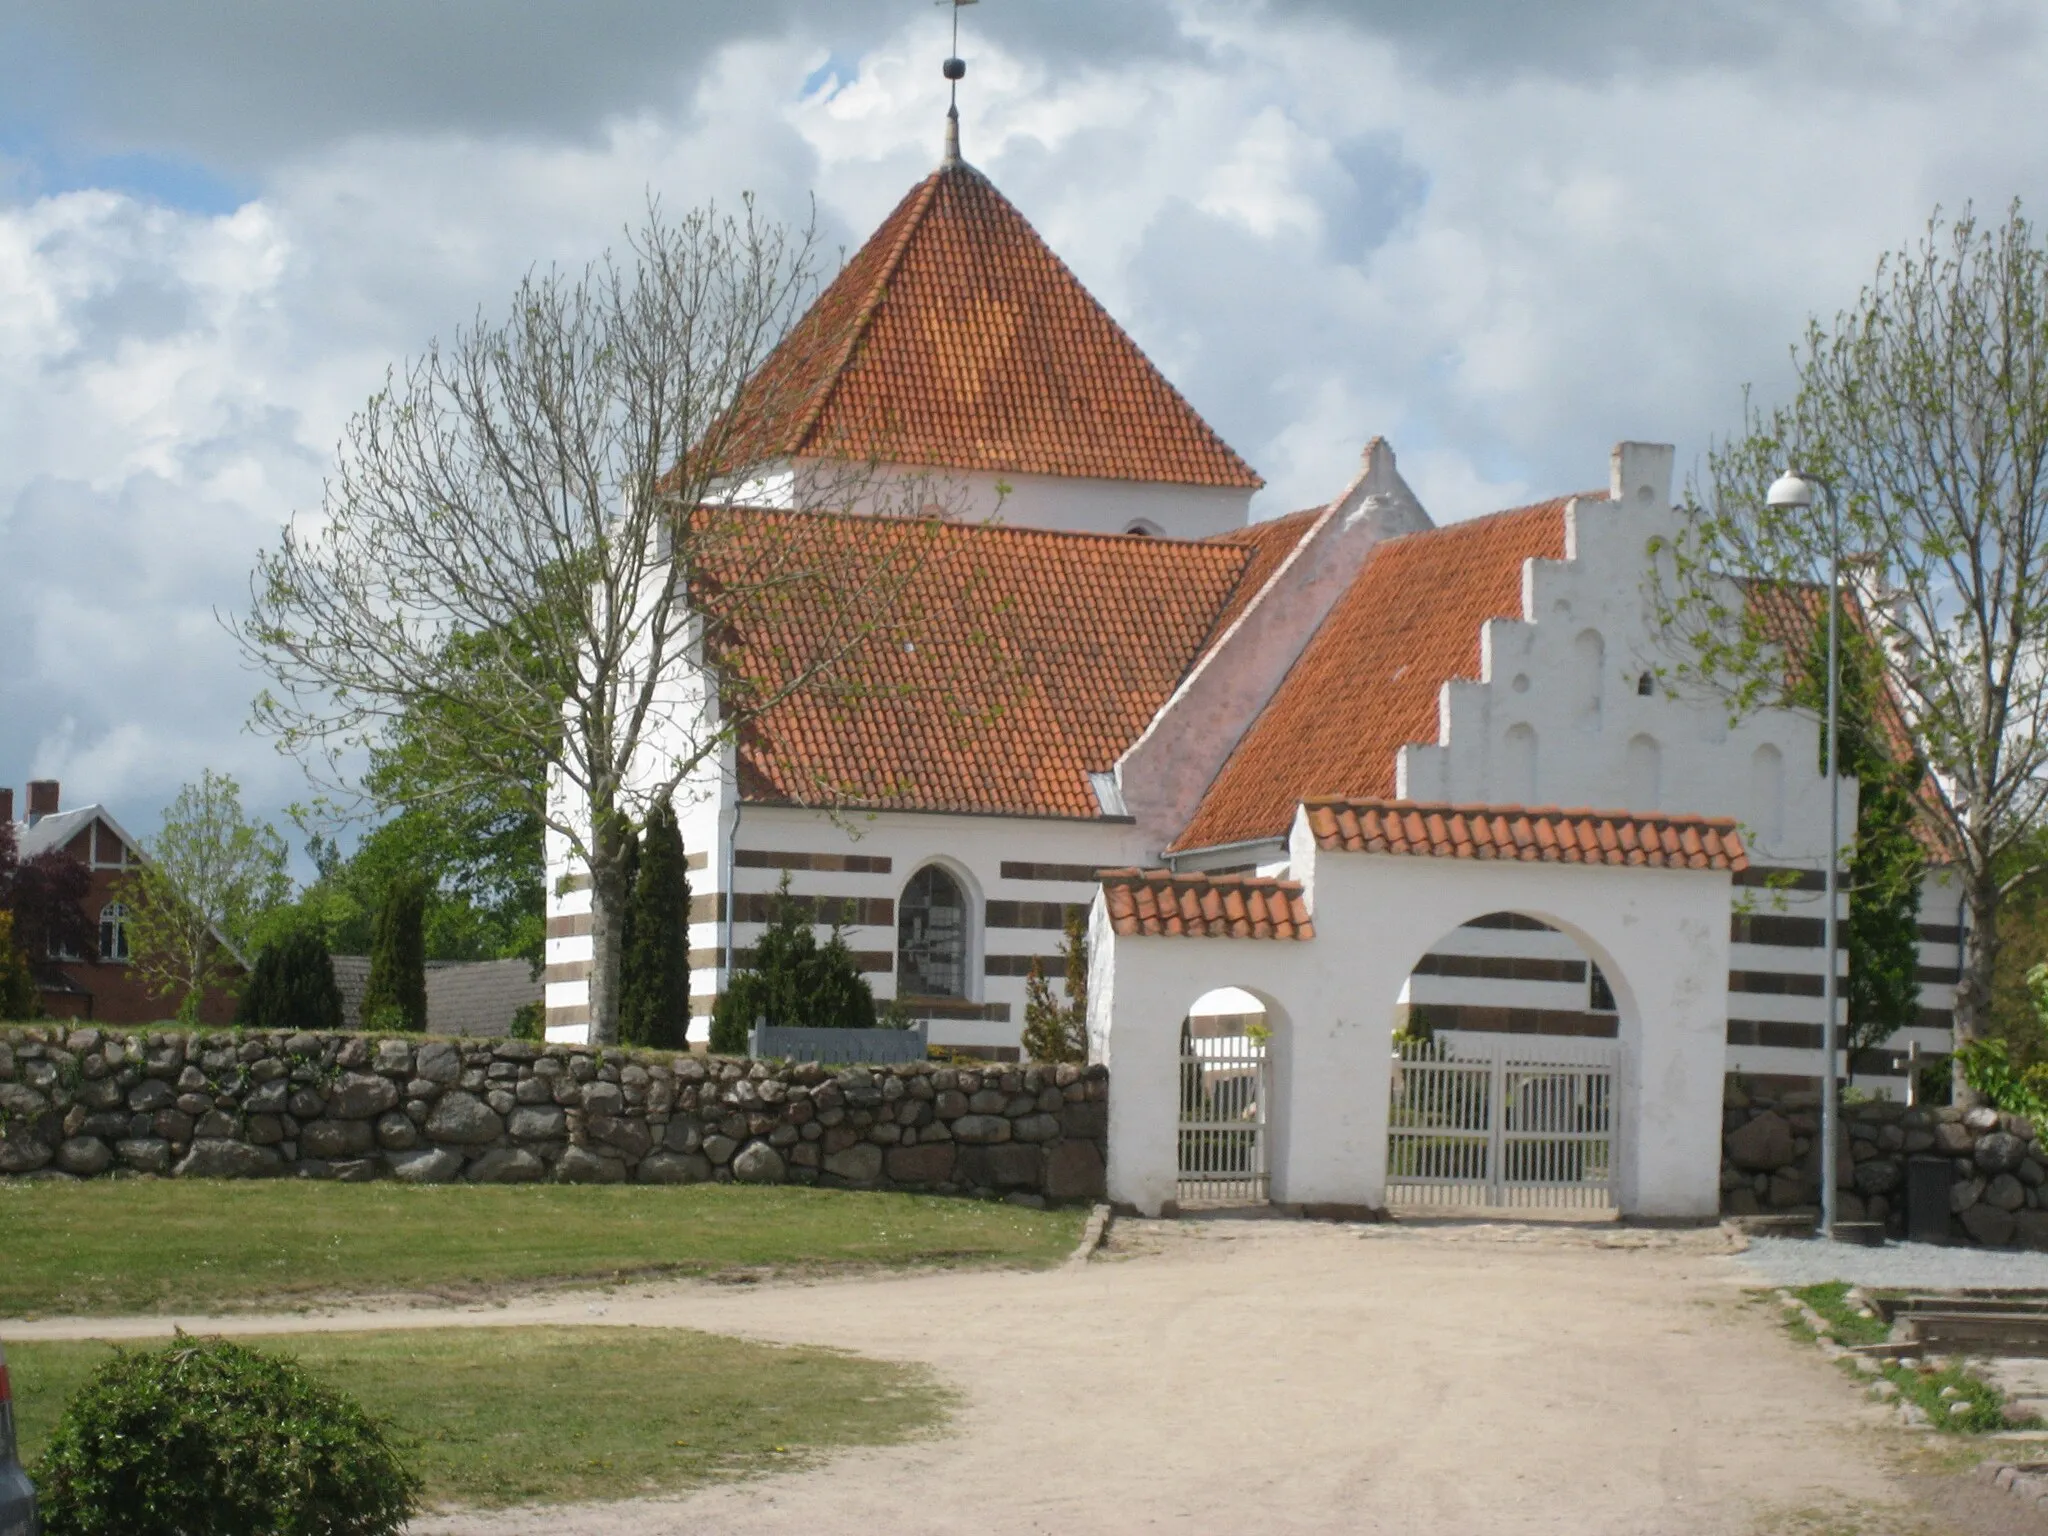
x: 1160, y: 687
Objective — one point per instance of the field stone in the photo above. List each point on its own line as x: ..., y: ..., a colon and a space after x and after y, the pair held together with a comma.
x: 1762, y: 1145
x: 981, y: 1129
x: 929, y: 1163
x: 507, y: 1165
x: 396, y: 1133
x: 336, y: 1138
x: 150, y: 1094
x: 534, y: 1123
x: 272, y: 1098
x: 460, y: 1116
x: 857, y: 1165
x: 84, y: 1155
x: 144, y: 1154
x: 1952, y: 1139
x: 430, y: 1165
x: 719, y: 1149
x: 438, y: 1061
x: 581, y: 1165
x: 759, y: 1163
x: 360, y: 1095
x: 674, y: 1168
x: 2005, y: 1192
x: 213, y: 1123
x: 1035, y: 1128
x: 1073, y: 1171
x: 1989, y: 1225
x: 218, y: 1159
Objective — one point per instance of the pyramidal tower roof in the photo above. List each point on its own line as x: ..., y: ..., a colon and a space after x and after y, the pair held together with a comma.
x: 956, y: 338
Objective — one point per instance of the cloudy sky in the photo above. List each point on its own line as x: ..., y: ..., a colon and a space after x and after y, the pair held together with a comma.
x: 1501, y: 235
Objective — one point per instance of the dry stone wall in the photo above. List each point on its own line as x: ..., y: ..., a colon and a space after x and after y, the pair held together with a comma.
x: 85, y: 1102
x: 1998, y: 1194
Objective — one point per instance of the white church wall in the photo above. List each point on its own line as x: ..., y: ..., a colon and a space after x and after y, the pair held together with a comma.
x: 1660, y: 935
x: 1019, y: 874
x: 1077, y: 504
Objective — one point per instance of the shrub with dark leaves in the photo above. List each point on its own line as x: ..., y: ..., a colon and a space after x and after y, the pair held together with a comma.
x: 207, y: 1438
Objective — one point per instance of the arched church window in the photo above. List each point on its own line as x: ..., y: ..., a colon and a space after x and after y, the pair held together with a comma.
x: 113, y: 931
x: 931, y: 936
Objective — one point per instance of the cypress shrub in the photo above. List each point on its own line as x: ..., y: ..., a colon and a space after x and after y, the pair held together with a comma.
x: 395, y: 996
x: 1057, y: 1031
x: 654, y: 1003
x: 793, y: 981
x: 207, y: 1438
x: 18, y: 996
x: 292, y: 986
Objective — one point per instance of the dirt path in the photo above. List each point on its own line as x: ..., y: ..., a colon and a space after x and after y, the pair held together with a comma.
x: 1280, y: 1376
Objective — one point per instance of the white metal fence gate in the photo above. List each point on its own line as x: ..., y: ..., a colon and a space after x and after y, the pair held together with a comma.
x: 1505, y: 1122
x: 1225, y: 1085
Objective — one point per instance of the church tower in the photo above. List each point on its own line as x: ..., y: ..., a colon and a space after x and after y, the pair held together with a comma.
x: 957, y: 346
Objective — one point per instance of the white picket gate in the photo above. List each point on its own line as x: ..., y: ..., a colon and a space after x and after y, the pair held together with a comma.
x: 1225, y: 1153
x: 1502, y: 1122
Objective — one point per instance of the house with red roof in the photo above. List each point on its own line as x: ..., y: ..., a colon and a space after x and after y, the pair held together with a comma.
x: 1235, y: 745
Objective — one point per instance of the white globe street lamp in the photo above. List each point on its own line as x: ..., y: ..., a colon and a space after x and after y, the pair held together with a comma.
x: 1795, y: 492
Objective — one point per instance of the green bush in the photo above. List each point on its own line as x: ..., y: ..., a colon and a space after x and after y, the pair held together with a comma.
x: 207, y: 1438
x: 793, y: 981
x: 654, y: 1003
x: 292, y: 986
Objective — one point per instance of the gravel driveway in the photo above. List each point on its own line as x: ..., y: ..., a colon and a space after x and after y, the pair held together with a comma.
x: 1277, y: 1376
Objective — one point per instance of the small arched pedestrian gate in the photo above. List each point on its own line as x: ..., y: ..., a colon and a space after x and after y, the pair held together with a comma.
x: 1226, y: 1088
x: 1502, y: 1121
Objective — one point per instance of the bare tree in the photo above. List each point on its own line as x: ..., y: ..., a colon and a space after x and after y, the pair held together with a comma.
x: 534, y: 542
x: 1926, y: 406
x: 206, y: 878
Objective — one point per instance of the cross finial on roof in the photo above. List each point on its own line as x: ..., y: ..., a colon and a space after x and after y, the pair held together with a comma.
x: 955, y: 68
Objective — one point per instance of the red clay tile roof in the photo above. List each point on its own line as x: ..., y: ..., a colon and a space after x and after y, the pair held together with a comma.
x: 1013, y: 662
x: 1158, y: 902
x: 1528, y: 834
x: 1367, y: 684
x: 956, y: 338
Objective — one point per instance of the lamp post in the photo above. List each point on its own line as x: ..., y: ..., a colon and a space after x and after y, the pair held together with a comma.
x: 1793, y: 491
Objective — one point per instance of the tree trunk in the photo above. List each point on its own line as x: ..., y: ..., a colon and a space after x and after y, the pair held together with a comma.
x: 608, y: 898
x: 1972, y: 1020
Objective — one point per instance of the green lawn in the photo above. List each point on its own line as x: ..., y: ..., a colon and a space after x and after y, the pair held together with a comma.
x: 131, y: 1245
x: 494, y: 1416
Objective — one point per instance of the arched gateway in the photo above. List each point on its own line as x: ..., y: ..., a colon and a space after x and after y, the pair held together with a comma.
x: 1379, y: 882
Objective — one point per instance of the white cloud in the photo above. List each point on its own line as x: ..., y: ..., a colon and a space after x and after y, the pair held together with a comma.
x: 1501, y: 244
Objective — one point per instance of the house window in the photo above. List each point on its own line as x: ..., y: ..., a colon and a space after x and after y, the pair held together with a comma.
x: 113, y: 931
x: 931, y: 936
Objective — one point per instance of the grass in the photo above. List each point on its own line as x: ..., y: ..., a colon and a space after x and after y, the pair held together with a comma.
x: 128, y: 1245
x: 498, y: 1416
x: 1936, y: 1392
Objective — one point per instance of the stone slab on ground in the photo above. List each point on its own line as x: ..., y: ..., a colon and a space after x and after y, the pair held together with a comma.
x: 1792, y: 1261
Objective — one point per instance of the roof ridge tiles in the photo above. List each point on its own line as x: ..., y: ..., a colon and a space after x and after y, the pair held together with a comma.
x: 1538, y: 834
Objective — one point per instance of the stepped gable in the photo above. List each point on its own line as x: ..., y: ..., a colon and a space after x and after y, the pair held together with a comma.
x: 955, y: 338
x: 1012, y: 663
x: 1368, y: 683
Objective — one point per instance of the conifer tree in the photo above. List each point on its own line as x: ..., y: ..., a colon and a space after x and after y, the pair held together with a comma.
x: 292, y: 986
x: 792, y: 981
x: 654, y: 1008
x: 1056, y: 1031
x: 396, y: 995
x: 18, y: 999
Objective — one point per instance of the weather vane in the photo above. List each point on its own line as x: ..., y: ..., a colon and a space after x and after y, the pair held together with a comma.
x: 955, y: 69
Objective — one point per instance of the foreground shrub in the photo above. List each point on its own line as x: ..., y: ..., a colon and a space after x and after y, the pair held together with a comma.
x: 292, y: 986
x: 207, y: 1438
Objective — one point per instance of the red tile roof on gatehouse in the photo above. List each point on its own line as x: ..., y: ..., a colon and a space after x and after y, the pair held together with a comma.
x: 1526, y: 834
x: 956, y: 338
x: 1002, y: 666
x: 1158, y: 902
x: 1367, y: 684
